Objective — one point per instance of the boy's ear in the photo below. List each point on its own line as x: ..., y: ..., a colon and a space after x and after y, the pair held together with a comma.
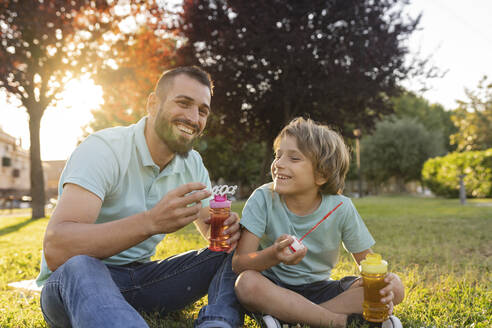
x: 319, y: 179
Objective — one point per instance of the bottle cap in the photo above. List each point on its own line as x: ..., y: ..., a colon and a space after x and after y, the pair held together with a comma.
x: 220, y: 198
x: 220, y: 201
x: 374, y: 264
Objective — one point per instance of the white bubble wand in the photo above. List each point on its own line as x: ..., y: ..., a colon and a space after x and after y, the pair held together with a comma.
x: 222, y: 190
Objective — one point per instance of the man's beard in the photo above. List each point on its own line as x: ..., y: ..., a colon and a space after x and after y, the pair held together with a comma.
x: 176, y: 143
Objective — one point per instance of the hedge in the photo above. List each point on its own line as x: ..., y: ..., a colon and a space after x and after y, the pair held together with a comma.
x: 441, y: 174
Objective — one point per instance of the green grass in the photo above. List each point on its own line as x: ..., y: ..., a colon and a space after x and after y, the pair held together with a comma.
x: 440, y: 249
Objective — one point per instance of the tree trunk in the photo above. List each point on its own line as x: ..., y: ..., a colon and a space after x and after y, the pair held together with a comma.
x: 37, y: 177
x: 401, y: 185
x: 267, y: 161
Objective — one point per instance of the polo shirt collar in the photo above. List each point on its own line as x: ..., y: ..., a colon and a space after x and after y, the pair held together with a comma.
x: 143, y: 149
x: 175, y: 166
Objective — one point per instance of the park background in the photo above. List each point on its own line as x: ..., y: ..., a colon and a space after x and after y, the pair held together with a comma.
x: 345, y: 63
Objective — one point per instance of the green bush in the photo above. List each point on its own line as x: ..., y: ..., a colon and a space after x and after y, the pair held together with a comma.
x: 399, y: 148
x: 441, y: 174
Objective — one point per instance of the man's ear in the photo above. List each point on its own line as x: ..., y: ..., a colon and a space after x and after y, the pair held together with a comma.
x: 152, y: 104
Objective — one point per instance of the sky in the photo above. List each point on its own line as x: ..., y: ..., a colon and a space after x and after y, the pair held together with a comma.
x: 61, y: 126
x: 455, y: 33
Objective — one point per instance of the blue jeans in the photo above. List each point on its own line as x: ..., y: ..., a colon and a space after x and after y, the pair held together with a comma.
x: 85, y: 292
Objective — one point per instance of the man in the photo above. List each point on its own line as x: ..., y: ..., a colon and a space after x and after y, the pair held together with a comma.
x: 121, y: 191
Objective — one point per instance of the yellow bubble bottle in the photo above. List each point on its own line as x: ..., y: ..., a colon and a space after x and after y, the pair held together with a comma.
x: 373, y: 270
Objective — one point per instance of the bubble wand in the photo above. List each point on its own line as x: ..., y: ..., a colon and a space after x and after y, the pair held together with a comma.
x: 296, y: 245
x: 222, y: 191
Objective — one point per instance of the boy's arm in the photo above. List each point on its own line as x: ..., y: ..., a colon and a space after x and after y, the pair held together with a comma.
x: 247, y: 256
x: 361, y: 255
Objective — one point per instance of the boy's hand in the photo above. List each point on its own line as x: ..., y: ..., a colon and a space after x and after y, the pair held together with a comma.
x: 283, y: 253
x: 393, y: 292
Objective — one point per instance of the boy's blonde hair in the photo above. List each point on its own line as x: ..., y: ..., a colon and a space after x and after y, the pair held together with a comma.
x: 324, y: 147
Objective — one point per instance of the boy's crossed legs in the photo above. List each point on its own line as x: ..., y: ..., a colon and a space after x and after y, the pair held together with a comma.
x: 323, y: 303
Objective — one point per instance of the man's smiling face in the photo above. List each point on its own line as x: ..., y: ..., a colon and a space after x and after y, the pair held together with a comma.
x: 183, y: 114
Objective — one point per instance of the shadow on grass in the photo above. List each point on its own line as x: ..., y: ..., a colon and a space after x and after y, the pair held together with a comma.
x: 15, y: 227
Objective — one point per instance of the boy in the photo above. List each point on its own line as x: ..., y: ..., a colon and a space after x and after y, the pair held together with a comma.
x: 308, y: 172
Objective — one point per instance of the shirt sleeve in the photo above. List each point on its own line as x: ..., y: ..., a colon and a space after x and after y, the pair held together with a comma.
x: 355, y: 235
x: 92, y: 166
x: 254, y: 215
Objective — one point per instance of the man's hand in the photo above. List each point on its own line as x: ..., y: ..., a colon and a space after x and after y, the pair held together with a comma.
x: 175, y: 209
x: 233, y: 230
x: 283, y: 253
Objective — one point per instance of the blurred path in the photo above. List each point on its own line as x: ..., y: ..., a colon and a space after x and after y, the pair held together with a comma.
x: 21, y: 212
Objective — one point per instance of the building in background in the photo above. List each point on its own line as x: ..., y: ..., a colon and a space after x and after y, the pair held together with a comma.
x: 52, y: 172
x: 15, y: 180
x: 14, y: 170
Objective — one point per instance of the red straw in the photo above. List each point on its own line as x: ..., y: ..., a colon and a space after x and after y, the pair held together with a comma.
x: 317, y: 224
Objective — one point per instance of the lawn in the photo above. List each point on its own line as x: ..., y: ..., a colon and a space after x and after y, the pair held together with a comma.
x: 441, y: 250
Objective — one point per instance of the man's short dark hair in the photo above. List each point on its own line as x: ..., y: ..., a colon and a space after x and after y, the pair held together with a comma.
x: 194, y: 72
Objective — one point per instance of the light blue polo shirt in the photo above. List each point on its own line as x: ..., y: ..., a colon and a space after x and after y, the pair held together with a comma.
x: 115, y: 164
x: 267, y: 216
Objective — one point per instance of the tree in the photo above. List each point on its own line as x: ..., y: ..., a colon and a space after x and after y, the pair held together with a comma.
x: 398, y: 148
x: 139, y: 59
x: 432, y: 116
x: 43, y: 44
x: 234, y: 165
x: 336, y: 61
x: 442, y: 174
x: 473, y: 118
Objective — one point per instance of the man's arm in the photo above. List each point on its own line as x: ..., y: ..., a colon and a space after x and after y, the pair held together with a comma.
x: 72, y: 229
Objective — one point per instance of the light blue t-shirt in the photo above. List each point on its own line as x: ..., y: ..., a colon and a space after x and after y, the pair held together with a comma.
x: 266, y: 215
x: 115, y: 164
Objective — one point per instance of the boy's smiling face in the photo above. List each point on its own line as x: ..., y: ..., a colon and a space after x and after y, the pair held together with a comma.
x: 292, y: 171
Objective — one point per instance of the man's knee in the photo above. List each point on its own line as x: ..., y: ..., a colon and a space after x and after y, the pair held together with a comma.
x: 79, y: 266
x: 81, y: 261
x: 215, y: 262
